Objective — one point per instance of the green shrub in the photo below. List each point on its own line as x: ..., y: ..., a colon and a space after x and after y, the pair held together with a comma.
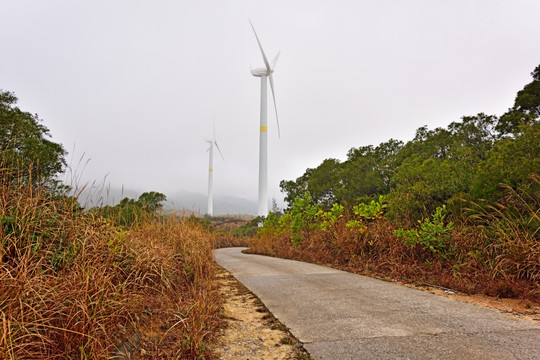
x: 304, y: 214
x: 373, y: 210
x: 330, y: 218
x: 433, y: 234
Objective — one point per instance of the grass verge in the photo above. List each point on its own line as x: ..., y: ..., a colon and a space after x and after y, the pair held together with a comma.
x: 73, y: 285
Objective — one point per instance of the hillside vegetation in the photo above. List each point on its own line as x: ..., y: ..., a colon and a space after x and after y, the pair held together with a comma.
x: 77, y: 284
x: 456, y: 207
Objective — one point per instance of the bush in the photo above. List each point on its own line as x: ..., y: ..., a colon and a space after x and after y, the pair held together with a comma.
x: 433, y: 233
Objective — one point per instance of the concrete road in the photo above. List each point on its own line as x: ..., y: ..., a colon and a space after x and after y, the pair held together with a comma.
x: 339, y: 315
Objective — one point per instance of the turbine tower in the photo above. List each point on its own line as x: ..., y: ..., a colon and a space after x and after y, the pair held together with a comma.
x: 210, y: 150
x: 264, y: 73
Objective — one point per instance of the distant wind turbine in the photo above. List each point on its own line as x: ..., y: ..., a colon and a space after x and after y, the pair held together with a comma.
x: 211, y: 143
x: 264, y: 73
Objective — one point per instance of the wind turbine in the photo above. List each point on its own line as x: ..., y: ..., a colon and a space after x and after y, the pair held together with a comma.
x: 264, y: 73
x: 210, y: 150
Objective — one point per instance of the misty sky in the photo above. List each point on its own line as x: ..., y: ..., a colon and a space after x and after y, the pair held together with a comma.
x: 133, y: 86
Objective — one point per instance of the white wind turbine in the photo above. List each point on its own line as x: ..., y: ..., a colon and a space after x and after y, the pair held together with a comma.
x: 264, y: 73
x: 211, y: 143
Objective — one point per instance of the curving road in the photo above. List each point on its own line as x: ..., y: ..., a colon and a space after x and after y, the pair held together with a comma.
x: 339, y: 315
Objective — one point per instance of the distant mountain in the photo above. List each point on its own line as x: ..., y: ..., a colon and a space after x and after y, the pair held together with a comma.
x: 192, y: 201
x: 91, y: 196
x: 223, y: 204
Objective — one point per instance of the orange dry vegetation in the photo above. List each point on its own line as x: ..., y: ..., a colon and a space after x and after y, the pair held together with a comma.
x: 73, y: 285
x: 508, y: 267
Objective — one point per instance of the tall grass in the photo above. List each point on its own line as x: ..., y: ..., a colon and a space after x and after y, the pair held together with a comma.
x: 75, y: 286
x: 174, y: 260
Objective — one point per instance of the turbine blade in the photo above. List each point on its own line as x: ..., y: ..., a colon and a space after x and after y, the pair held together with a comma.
x: 217, y: 146
x: 266, y: 63
x: 274, y: 62
x: 271, y: 78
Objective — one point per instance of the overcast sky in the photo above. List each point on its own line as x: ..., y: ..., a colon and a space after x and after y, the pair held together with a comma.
x: 134, y: 85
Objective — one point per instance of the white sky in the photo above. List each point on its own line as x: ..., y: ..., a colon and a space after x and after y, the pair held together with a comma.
x: 133, y: 85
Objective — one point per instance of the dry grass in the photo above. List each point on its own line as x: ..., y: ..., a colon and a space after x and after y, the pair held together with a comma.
x: 224, y: 239
x: 75, y: 286
x: 180, y: 298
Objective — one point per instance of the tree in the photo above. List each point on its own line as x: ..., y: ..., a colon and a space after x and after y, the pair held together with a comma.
x: 467, y: 160
x: 320, y: 182
x: 359, y: 176
x: 427, y: 144
x: 129, y: 211
x: 295, y: 188
x: 368, y: 171
x: 513, y: 162
x: 387, y: 161
x: 151, y: 201
x: 439, y: 165
x: 526, y: 109
x: 323, y: 182
x: 24, y: 145
x: 476, y: 132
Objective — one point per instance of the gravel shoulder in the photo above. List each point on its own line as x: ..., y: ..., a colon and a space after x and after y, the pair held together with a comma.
x: 251, y: 331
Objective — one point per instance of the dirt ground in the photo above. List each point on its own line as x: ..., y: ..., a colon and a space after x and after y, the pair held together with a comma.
x: 252, y: 332
x: 519, y: 308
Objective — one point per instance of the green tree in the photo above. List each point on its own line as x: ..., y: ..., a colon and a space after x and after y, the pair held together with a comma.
x: 512, y: 162
x: 427, y: 144
x: 388, y: 161
x: 151, y: 201
x: 439, y: 165
x: 526, y: 109
x: 368, y: 172
x: 320, y: 182
x: 359, y: 176
x: 25, y: 146
x: 468, y: 159
x: 477, y: 132
x: 295, y: 188
x: 129, y: 211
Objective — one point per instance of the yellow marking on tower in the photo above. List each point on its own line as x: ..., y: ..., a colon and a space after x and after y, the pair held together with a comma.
x: 264, y: 128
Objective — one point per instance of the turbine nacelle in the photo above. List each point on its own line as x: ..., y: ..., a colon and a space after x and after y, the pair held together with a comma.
x: 210, y: 143
x: 213, y: 142
x: 259, y: 72
x: 266, y: 71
